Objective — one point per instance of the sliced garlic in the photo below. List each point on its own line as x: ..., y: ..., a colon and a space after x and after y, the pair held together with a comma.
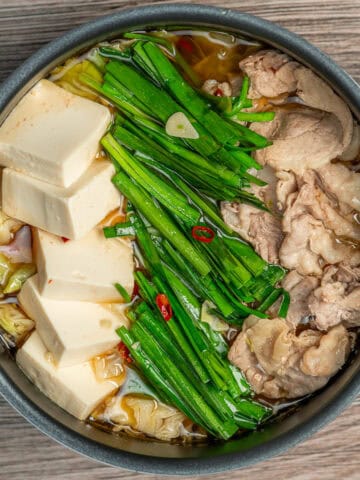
x: 178, y: 125
x: 215, y: 323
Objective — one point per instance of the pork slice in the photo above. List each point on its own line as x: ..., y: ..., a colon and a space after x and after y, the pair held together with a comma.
x: 295, y: 252
x: 302, y: 139
x: 343, y: 183
x: 329, y: 356
x: 286, y: 185
x: 314, y: 200
x: 238, y: 217
x: 309, y: 246
x: 317, y: 94
x: 299, y: 287
x: 273, y: 73
x: 337, y: 299
x: 266, y: 236
x: 261, y: 229
x: 280, y: 364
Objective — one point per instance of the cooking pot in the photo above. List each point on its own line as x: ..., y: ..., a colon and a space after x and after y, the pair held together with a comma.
x: 150, y: 456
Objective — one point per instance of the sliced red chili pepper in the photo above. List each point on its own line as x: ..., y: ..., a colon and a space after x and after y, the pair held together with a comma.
x: 185, y: 44
x: 64, y: 239
x: 124, y: 352
x: 203, y: 234
x: 164, y: 306
x: 135, y: 291
x: 218, y: 93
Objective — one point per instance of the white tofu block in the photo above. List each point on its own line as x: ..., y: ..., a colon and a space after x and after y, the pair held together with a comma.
x: 69, y: 212
x: 84, y: 269
x: 52, y: 134
x: 75, y: 389
x: 73, y: 332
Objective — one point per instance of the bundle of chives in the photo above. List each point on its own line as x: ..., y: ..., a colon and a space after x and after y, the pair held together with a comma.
x: 191, y: 256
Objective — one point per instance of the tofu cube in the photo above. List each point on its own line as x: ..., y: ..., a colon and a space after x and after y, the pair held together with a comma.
x: 52, y: 134
x: 85, y: 269
x: 69, y: 212
x: 75, y: 389
x: 73, y: 332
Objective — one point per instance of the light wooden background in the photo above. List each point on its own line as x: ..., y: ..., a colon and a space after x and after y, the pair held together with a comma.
x: 332, y: 25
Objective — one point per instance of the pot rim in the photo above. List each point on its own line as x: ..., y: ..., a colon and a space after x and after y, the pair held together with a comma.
x: 184, y: 14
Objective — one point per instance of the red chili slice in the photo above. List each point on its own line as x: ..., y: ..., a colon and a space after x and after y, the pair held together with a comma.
x: 218, y: 93
x: 203, y: 234
x: 164, y: 306
x: 64, y: 239
x: 124, y: 352
x: 185, y: 44
x: 135, y: 291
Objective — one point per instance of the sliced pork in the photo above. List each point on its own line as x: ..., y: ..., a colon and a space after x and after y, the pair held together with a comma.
x: 313, y: 199
x: 273, y: 73
x: 260, y: 228
x: 302, y: 138
x: 278, y: 363
x: 319, y: 227
x: 300, y: 288
x: 317, y: 94
x: 337, y: 299
x: 309, y: 246
x: 286, y: 185
x: 343, y: 183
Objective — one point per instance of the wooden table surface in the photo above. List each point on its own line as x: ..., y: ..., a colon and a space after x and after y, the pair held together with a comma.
x: 332, y: 454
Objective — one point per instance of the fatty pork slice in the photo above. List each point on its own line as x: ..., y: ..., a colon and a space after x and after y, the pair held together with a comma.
x: 260, y: 228
x: 312, y: 198
x: 309, y: 246
x: 343, y: 183
x: 300, y: 288
x: 287, y: 185
x: 278, y: 363
x: 302, y: 138
x: 273, y: 73
x: 337, y: 299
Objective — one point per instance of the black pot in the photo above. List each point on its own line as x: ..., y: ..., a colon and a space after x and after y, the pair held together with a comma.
x: 153, y: 457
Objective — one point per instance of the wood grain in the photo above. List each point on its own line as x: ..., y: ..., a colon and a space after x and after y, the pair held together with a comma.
x: 332, y: 454
x: 331, y: 25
